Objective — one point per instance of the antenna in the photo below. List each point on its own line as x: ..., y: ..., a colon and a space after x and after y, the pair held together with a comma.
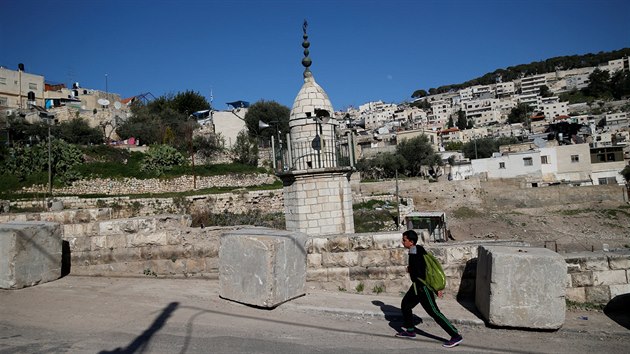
x: 117, y: 105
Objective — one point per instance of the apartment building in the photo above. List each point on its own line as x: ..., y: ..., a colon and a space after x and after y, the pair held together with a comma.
x: 20, y: 90
x: 532, y: 84
x: 523, y: 164
x: 376, y: 113
x: 432, y: 136
x: 571, y: 164
x: 505, y: 89
x: 616, y: 65
x: 553, y: 108
x: 483, y: 112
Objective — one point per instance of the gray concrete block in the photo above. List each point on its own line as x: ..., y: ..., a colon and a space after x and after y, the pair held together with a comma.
x: 30, y: 253
x: 521, y: 287
x: 262, y: 267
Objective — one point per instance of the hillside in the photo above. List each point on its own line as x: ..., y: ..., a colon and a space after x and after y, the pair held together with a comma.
x: 540, y: 67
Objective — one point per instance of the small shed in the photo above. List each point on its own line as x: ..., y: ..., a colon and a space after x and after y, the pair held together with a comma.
x: 433, y: 222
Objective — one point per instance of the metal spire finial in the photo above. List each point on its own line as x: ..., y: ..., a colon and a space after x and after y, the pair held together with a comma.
x: 306, y: 61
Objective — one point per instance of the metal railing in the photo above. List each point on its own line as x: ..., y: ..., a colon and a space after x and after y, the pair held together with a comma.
x: 316, y: 154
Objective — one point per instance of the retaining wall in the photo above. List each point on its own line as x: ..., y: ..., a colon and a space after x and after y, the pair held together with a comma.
x: 166, y: 246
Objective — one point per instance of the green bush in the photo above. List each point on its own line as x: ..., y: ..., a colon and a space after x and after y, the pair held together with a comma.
x: 161, y: 158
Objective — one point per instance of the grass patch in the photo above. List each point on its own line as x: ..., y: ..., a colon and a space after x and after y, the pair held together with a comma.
x: 254, y: 217
x: 374, y: 221
x: 465, y: 213
x: 588, y: 306
x: 360, y: 287
x: 379, y: 288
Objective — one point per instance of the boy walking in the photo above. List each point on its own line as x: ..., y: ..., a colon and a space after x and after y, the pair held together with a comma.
x: 419, y: 293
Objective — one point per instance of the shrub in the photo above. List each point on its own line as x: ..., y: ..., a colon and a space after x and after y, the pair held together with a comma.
x: 161, y: 158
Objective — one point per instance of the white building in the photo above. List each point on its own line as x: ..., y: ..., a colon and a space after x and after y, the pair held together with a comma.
x: 16, y: 86
x: 552, y: 109
x: 504, y: 89
x: 376, y: 113
x: 524, y: 164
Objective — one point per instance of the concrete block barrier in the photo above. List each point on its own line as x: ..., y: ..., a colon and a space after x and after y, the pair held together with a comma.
x: 30, y: 253
x: 262, y: 267
x: 521, y: 287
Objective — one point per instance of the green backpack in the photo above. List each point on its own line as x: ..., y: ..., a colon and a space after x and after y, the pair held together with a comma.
x: 435, y: 278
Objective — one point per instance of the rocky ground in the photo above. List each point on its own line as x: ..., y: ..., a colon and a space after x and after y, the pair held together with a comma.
x: 574, y: 228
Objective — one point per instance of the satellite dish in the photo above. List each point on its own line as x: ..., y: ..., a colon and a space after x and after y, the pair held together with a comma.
x: 117, y: 105
x: 103, y: 102
x: 262, y: 125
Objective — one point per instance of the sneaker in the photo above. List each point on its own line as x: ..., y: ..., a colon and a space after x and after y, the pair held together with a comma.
x: 406, y: 334
x: 453, y: 342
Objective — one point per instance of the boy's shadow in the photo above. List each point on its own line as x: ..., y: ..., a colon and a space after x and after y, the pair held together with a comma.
x: 394, y: 317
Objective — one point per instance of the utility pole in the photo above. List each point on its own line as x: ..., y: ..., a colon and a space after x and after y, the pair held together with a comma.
x: 49, y: 162
x: 397, y: 202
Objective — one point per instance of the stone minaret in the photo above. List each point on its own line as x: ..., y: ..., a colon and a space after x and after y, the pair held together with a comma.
x: 317, y: 194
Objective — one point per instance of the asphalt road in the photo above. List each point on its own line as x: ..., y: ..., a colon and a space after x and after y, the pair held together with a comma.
x: 145, y: 315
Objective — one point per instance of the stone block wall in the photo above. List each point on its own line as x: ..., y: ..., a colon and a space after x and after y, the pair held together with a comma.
x: 155, y: 185
x: 378, y: 261
x: 123, y: 207
x: 597, y: 277
x: 165, y: 245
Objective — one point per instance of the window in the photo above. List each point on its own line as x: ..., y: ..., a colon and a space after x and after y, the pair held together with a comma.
x: 501, y: 164
x: 32, y: 86
x: 544, y: 160
x: 575, y: 158
x: 527, y: 161
x: 607, y: 180
x: 3, y: 101
x: 3, y: 80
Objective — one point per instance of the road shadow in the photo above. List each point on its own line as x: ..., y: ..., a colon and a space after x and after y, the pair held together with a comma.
x: 394, y: 317
x: 139, y: 344
x: 617, y: 310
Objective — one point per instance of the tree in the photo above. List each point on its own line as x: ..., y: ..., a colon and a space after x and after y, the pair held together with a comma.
x: 165, y: 119
x: 620, y: 84
x: 453, y: 146
x: 78, y: 131
x: 24, y: 161
x: 450, y: 123
x: 188, y: 102
x: 626, y: 173
x: 269, y: 112
x: 209, y: 145
x: 422, y: 104
x: 245, y: 149
x: 545, y: 91
x: 462, y: 123
x: 383, y: 165
x: 484, y: 147
x: 417, y: 153
x: 599, y: 84
x: 419, y: 94
x: 520, y: 114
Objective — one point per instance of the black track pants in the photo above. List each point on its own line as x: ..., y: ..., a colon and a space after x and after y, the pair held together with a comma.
x: 419, y: 293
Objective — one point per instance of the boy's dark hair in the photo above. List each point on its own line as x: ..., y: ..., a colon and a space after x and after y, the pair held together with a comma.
x: 411, y: 236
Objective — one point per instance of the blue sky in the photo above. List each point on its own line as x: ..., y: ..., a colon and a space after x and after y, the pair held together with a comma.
x: 251, y: 49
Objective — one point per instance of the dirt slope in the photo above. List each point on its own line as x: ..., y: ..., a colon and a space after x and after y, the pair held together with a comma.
x: 583, y: 227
